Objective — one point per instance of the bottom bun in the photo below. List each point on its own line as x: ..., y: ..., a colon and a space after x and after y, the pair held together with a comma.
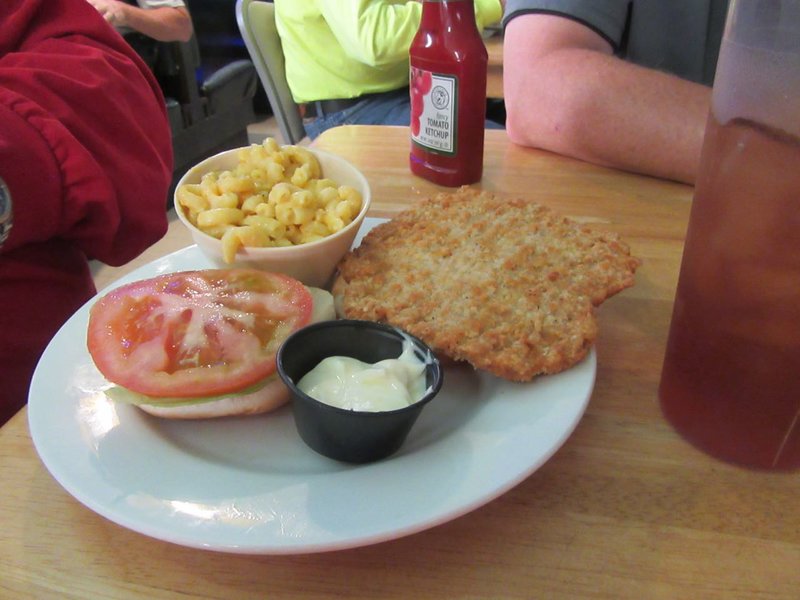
x: 273, y: 395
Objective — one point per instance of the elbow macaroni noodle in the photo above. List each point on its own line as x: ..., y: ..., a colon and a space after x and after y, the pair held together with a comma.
x: 275, y: 196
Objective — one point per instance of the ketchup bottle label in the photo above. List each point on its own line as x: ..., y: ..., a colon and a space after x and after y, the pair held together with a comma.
x: 434, y: 111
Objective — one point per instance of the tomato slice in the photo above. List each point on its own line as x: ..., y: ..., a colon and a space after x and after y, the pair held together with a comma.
x: 195, y: 333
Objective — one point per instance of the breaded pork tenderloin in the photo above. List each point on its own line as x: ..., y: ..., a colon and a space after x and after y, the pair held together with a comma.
x: 505, y: 284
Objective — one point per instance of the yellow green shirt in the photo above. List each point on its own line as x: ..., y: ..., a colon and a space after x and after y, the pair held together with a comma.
x: 347, y: 48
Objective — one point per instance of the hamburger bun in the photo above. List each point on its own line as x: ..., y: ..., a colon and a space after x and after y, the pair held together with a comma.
x: 266, y: 399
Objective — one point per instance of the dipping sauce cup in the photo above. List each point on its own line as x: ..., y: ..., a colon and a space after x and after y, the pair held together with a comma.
x: 353, y: 436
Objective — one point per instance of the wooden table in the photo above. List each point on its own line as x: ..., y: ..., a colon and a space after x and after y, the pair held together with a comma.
x: 625, y: 509
x: 494, y: 70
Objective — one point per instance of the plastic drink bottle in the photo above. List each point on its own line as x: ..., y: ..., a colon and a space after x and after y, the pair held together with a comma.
x: 731, y: 377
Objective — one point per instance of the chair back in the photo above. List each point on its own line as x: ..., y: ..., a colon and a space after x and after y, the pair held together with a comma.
x: 256, y: 20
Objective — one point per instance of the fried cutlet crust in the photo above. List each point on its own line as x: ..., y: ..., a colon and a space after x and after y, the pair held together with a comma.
x: 505, y: 284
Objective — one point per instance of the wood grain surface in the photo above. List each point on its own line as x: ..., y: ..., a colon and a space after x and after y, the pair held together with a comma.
x: 625, y: 509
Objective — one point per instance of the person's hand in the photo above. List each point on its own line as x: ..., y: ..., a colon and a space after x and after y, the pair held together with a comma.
x: 113, y: 11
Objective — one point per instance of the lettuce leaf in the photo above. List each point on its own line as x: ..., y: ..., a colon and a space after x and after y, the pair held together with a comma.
x: 124, y: 395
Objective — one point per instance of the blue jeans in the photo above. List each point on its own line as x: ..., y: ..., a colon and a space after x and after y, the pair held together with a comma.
x: 391, y: 108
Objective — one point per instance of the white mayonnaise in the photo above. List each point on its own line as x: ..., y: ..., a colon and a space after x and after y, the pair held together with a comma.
x: 349, y: 383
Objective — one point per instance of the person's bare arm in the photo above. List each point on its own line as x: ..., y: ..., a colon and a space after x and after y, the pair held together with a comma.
x: 566, y: 92
x: 165, y: 24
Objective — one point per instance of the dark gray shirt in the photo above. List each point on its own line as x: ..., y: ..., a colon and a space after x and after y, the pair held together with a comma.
x: 677, y: 36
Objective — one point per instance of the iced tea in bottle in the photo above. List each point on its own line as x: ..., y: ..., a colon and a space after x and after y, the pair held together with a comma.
x: 731, y: 377
x: 448, y: 94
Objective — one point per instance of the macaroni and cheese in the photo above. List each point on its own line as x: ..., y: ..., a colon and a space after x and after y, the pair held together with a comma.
x: 275, y: 196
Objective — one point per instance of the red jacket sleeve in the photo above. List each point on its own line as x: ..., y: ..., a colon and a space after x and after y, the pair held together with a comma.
x: 85, y: 146
x: 85, y: 150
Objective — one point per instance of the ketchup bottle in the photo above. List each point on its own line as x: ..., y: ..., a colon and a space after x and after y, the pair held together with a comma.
x: 448, y: 94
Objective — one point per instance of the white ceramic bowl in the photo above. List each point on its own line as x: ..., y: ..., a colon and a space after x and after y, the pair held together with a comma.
x: 312, y: 263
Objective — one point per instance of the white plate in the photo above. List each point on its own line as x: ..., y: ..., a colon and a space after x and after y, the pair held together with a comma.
x: 250, y: 485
